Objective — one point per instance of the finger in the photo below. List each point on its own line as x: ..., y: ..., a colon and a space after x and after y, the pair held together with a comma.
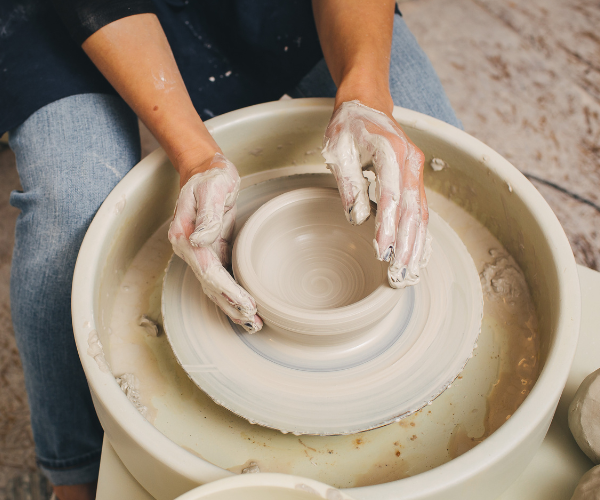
x: 410, y: 220
x: 412, y: 192
x: 427, y: 250
x: 223, y: 290
x: 389, y: 152
x: 216, y: 192
x: 398, y: 270
x: 418, y: 258
x: 426, y: 245
x: 251, y: 326
x: 219, y: 283
x: 219, y: 286
x: 184, y: 217
x: 414, y: 264
x: 343, y: 159
x: 222, y: 245
x: 210, y: 199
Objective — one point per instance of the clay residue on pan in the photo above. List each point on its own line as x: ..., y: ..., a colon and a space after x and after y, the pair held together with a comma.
x: 507, y: 395
x: 506, y: 295
x: 129, y: 384
x: 133, y: 341
x: 250, y: 467
x: 192, y: 451
x: 253, y: 466
x: 151, y: 326
x: 392, y: 469
x: 96, y: 351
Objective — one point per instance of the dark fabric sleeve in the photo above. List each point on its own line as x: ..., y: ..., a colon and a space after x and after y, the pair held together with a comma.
x: 84, y: 17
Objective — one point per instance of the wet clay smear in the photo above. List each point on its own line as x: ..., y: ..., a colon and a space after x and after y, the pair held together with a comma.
x: 494, y: 383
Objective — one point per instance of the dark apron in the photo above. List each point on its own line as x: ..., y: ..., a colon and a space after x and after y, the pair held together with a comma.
x: 231, y: 54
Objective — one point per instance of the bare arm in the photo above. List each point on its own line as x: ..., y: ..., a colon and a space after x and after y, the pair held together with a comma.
x: 135, y: 57
x: 356, y: 38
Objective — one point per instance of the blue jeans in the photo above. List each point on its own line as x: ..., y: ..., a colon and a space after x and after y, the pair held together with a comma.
x: 70, y: 155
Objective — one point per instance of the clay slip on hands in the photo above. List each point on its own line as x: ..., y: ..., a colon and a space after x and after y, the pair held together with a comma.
x: 360, y: 137
x: 201, y: 233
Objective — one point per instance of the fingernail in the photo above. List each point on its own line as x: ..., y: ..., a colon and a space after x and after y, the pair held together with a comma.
x: 252, y: 327
x: 357, y: 214
x: 387, y: 255
x: 204, y: 235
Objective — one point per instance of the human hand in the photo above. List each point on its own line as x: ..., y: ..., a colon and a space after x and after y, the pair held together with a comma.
x: 357, y: 138
x: 201, y: 233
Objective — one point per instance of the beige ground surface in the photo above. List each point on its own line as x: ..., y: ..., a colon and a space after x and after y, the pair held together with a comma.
x: 524, y: 77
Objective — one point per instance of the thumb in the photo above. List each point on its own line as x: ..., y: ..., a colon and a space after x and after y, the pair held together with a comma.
x: 209, y: 222
x: 343, y: 159
x: 215, y: 191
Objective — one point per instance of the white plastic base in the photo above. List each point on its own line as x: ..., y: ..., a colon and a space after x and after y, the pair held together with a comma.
x: 553, y: 473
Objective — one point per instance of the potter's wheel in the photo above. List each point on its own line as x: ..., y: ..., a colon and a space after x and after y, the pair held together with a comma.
x: 357, y: 384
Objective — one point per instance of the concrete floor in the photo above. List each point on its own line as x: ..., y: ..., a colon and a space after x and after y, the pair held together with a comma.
x: 524, y: 77
x: 16, y: 442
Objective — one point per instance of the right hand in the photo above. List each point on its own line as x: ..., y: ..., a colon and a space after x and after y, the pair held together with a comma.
x: 359, y: 136
x: 201, y: 233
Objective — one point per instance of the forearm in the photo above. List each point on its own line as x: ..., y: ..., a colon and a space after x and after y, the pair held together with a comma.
x: 135, y: 57
x: 356, y: 38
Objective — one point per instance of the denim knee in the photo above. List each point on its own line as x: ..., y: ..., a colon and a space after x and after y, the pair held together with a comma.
x: 70, y: 155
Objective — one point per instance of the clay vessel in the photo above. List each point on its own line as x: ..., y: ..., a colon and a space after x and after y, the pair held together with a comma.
x: 309, y: 270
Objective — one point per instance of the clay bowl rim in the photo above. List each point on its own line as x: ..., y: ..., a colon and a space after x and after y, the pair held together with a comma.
x: 340, y: 320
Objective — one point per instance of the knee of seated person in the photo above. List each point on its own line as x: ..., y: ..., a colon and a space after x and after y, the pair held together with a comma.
x: 60, y: 211
x: 63, y: 193
x: 77, y: 147
x: 72, y: 210
x: 49, y: 234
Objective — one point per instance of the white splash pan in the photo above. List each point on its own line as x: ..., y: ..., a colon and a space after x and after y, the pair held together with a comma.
x: 479, y: 179
x: 265, y: 486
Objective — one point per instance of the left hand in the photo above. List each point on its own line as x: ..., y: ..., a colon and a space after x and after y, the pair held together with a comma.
x: 201, y: 233
x: 359, y: 137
